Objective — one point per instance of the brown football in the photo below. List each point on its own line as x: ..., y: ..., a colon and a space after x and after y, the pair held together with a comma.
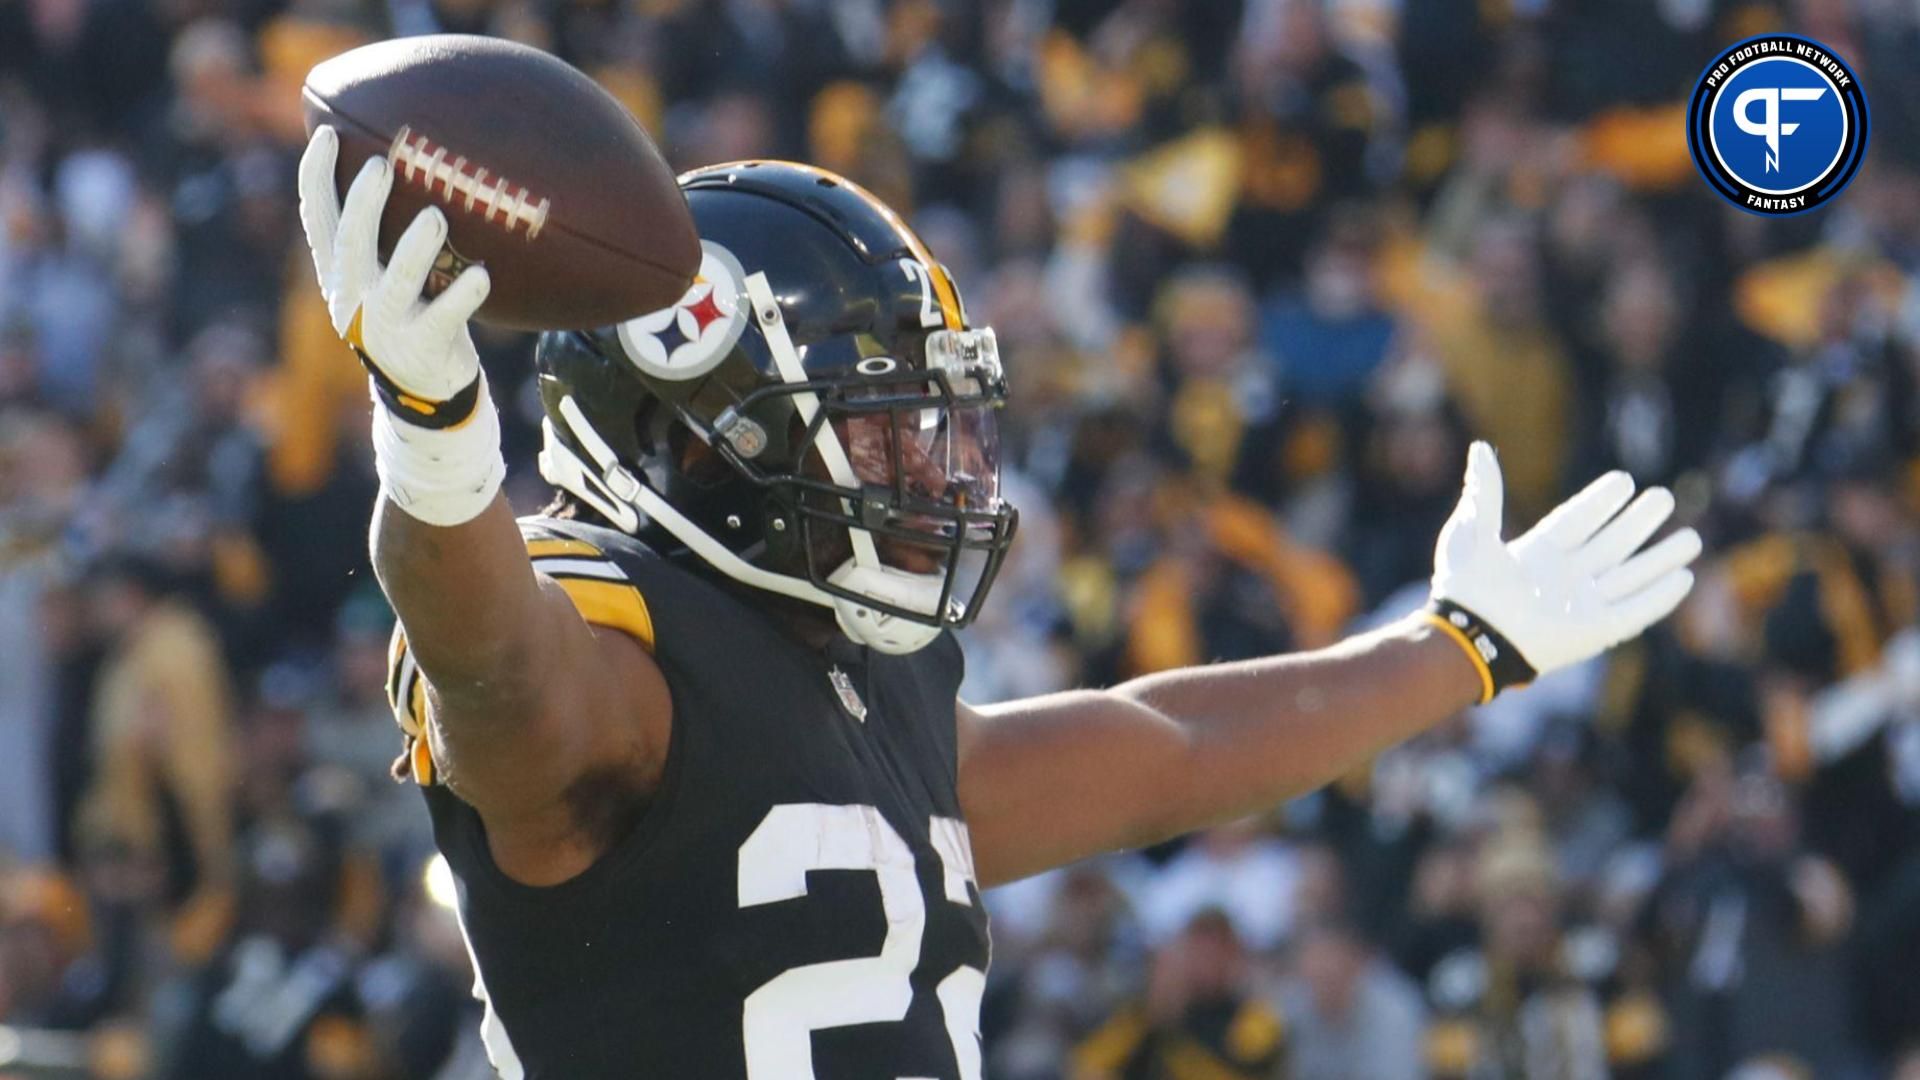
x: 545, y: 179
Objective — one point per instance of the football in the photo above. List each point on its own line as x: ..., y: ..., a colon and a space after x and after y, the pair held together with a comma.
x: 545, y: 179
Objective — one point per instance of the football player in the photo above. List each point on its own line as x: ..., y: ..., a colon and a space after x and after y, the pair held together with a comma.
x: 691, y: 743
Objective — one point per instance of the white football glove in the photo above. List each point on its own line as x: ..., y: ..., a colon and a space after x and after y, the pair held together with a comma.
x: 1568, y: 589
x: 433, y: 462
x: 422, y: 349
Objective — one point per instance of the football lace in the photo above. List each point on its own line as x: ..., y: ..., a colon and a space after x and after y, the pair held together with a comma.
x: 415, y: 158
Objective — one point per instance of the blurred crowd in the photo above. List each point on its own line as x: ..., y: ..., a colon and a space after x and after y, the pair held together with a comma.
x: 1261, y: 269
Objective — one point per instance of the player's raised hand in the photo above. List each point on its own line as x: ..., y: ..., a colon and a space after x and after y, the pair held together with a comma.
x: 421, y: 357
x: 1572, y: 586
x: 426, y: 375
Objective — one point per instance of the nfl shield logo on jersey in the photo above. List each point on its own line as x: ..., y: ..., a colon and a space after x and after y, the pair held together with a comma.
x: 849, y: 697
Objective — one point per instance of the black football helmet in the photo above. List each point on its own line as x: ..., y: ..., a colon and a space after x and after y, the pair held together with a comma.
x: 815, y: 417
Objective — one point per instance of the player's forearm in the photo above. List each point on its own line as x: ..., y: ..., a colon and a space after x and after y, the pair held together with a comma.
x: 467, y: 596
x: 1255, y: 733
x: 1050, y: 780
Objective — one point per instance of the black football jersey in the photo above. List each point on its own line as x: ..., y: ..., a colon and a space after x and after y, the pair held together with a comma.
x: 797, y: 901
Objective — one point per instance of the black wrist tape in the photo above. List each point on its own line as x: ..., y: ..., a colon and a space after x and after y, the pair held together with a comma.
x: 432, y: 415
x: 1500, y: 663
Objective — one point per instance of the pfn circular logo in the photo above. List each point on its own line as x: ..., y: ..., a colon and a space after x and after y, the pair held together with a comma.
x: 1778, y: 124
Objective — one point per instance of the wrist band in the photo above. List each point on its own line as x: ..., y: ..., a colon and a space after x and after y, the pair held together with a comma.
x: 1496, y: 659
x: 418, y: 411
x: 432, y: 415
x: 442, y: 476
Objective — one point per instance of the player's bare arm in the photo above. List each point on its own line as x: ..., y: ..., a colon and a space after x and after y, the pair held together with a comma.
x: 1053, y: 779
x: 1049, y: 780
x: 525, y: 697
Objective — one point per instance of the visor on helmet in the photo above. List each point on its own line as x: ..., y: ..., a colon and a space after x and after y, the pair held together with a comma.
x: 923, y: 449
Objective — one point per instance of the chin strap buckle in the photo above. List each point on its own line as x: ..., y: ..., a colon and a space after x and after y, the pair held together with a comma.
x: 621, y: 483
x: 612, y: 490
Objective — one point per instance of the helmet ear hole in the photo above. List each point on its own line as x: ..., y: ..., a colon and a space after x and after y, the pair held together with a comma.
x: 647, y: 428
x: 694, y: 460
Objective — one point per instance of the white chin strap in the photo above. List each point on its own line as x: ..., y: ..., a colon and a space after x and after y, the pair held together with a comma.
x: 877, y: 629
x: 612, y: 489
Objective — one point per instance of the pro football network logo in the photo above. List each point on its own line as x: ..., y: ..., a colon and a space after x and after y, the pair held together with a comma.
x: 690, y: 338
x: 1778, y: 124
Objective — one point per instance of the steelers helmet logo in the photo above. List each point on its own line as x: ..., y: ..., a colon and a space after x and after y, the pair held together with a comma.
x: 690, y: 338
x: 1778, y: 124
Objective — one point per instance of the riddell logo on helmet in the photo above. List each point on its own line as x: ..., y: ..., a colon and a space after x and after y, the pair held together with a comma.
x: 1777, y: 124
x: 690, y: 338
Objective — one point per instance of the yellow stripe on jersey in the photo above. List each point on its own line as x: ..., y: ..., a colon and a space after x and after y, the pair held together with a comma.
x: 603, y: 596
x: 614, y: 604
x: 417, y: 705
x: 600, y: 592
x: 411, y: 715
x: 561, y: 546
x: 396, y: 659
x: 421, y: 756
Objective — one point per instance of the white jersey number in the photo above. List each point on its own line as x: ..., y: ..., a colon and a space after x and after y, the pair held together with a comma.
x: 781, y: 1016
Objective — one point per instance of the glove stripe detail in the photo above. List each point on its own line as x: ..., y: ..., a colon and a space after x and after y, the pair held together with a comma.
x: 1460, y: 639
x: 1501, y: 665
x: 432, y: 415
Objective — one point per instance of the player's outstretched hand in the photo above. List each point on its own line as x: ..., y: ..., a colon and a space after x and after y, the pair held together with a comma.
x: 419, y: 353
x: 1572, y: 586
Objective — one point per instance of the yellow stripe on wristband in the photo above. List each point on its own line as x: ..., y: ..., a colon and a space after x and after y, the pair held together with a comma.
x: 1473, y: 654
x: 424, y: 408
